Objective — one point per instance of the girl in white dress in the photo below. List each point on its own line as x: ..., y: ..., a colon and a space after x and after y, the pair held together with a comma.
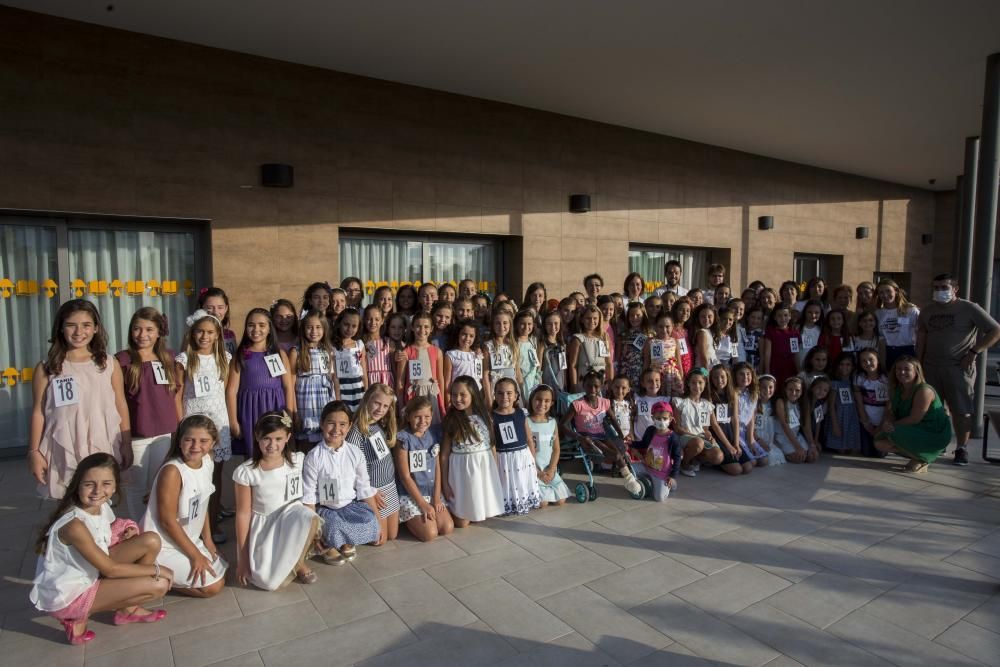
x: 274, y: 530
x: 790, y: 422
x: 202, y: 369
x: 465, y: 356
x: 178, y: 507
x: 470, y: 480
x: 89, y: 561
x: 764, y: 424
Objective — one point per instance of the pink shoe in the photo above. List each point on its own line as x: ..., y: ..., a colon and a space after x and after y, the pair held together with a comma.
x: 76, y: 640
x: 151, y: 617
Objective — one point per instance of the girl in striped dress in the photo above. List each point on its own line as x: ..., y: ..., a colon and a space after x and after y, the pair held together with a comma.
x: 420, y: 372
x: 374, y: 433
x: 352, y: 364
x: 380, y: 349
x: 315, y: 378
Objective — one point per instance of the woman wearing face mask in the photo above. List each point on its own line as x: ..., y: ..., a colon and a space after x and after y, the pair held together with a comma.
x: 951, y: 334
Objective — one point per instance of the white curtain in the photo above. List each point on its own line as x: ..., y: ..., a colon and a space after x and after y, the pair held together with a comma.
x: 455, y: 261
x: 110, y: 261
x: 28, y: 259
x: 649, y: 263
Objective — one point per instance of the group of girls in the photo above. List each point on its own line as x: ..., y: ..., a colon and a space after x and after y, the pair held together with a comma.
x: 483, y: 391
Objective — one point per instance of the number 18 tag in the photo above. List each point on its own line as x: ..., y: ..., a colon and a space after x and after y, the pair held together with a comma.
x: 275, y: 366
x: 64, y: 391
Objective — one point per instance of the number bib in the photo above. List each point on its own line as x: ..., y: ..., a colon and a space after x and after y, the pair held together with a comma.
x: 642, y: 408
x: 758, y: 421
x: 682, y: 344
x: 881, y: 393
x: 508, y: 434
x: 656, y: 353
x: 65, y: 391
x: 845, y: 396
x: 194, y: 507
x: 418, y: 460
x: 322, y: 363
x: 419, y: 370
x: 639, y: 342
x: 562, y: 360
x: 477, y: 367
x: 818, y: 413
x: 704, y: 417
x: 793, y: 345
x: 329, y: 488
x: 722, y: 413
x: 275, y: 366
x: 499, y: 360
x: 159, y: 373
x: 202, y: 385
x: 602, y: 348
x: 293, y: 486
x: 347, y: 364
x: 379, y: 445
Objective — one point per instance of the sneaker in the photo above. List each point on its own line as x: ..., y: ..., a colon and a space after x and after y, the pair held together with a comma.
x: 689, y: 472
x: 961, y: 457
x: 632, y: 485
x: 219, y: 538
x: 697, y: 466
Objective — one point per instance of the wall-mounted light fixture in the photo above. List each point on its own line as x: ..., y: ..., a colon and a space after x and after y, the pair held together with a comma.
x: 765, y: 222
x: 277, y: 175
x: 861, y: 233
x: 927, y: 239
x: 579, y: 203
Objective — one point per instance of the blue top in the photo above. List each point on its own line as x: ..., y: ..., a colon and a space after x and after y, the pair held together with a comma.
x: 422, y: 458
x: 508, y: 432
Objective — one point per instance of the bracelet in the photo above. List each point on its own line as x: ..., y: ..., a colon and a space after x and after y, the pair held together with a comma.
x: 156, y: 575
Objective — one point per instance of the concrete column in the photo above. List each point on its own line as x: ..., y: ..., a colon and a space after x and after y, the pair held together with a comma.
x: 987, y: 183
x: 968, y: 220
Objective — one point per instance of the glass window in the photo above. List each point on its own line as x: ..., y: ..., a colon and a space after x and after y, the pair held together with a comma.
x: 29, y: 282
x: 808, y: 267
x: 648, y: 261
x: 395, y: 261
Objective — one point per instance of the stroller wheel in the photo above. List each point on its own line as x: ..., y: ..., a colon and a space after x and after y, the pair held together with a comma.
x: 641, y: 493
x: 647, y: 484
x: 593, y: 492
x: 581, y: 492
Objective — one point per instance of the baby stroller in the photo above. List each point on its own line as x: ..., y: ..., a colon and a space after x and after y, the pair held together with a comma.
x: 573, y: 448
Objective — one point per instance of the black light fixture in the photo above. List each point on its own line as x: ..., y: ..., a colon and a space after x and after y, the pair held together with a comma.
x: 765, y: 222
x: 861, y: 232
x: 277, y: 175
x: 579, y: 203
x: 926, y: 239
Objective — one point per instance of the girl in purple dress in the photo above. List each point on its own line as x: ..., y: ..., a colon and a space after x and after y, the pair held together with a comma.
x: 259, y: 380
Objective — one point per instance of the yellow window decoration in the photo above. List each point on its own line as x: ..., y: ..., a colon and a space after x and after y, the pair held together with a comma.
x: 117, y: 285
x: 99, y: 287
x: 5, y: 287
x: 135, y: 288
x: 154, y: 287
x: 27, y: 287
x: 51, y: 287
x: 79, y: 287
x: 169, y: 287
x: 10, y: 376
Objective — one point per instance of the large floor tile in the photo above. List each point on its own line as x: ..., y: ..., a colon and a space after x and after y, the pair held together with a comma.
x: 562, y: 574
x: 474, y: 644
x: 572, y: 650
x: 616, y: 548
x: 986, y: 615
x: 254, y: 600
x: 476, y: 538
x: 857, y: 533
x: 573, y: 514
x: 511, y: 614
x: 702, y: 633
x: 731, y: 590
x: 482, y: 566
x: 374, y: 564
x: 893, y: 643
x: 251, y: 659
x: 154, y: 654
x: 697, y: 554
x: 924, y: 610
x: 644, y: 582
x: 973, y: 641
x: 642, y: 517
x: 342, y: 595
x: 344, y: 645
x: 613, y: 630
x: 238, y: 636
x: 824, y: 598
x: 421, y: 602
x: 541, y: 541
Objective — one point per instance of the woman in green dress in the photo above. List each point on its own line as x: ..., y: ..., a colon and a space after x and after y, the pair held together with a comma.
x: 916, y: 425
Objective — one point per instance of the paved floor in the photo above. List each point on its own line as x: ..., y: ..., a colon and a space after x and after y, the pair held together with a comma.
x: 840, y: 563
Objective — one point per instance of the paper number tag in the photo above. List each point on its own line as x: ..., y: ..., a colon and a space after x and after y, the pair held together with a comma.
x: 508, y: 435
x: 202, y: 385
x: 499, y: 361
x: 683, y: 345
x: 793, y: 345
x: 562, y: 360
x: 194, y: 507
x: 758, y: 421
x: 418, y: 370
x: 377, y: 441
x: 477, y: 366
x: 881, y: 393
x: 642, y: 408
x: 845, y: 396
x: 722, y: 413
x: 418, y: 460
x: 818, y: 413
x: 704, y: 417
x: 159, y: 374
x: 293, y: 486
x: 322, y: 363
x: 275, y: 366
x: 639, y: 341
x: 656, y: 351
x: 602, y: 348
x: 328, y: 490
x: 64, y: 391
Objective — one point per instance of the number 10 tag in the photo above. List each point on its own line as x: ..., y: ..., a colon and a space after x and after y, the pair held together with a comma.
x: 274, y: 365
x: 64, y: 391
x: 508, y: 435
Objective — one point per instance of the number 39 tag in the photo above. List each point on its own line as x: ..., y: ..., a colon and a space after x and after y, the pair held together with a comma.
x: 64, y: 391
x: 418, y: 460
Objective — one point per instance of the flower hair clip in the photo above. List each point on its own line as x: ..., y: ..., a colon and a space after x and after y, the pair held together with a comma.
x: 202, y: 291
x: 286, y: 420
x: 200, y: 314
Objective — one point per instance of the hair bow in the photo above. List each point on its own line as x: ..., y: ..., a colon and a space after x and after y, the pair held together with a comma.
x: 199, y: 315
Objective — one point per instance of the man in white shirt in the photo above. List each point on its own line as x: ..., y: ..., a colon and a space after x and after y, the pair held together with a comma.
x: 671, y: 280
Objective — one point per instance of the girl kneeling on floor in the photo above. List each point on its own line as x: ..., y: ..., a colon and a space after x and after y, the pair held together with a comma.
x: 418, y: 473
x: 274, y: 530
x: 90, y: 561
x: 178, y: 507
x: 335, y: 485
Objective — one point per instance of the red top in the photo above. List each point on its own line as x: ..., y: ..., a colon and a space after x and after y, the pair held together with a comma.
x: 152, y: 409
x: 785, y: 343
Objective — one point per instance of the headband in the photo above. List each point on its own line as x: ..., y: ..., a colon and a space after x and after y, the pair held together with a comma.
x: 200, y: 314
